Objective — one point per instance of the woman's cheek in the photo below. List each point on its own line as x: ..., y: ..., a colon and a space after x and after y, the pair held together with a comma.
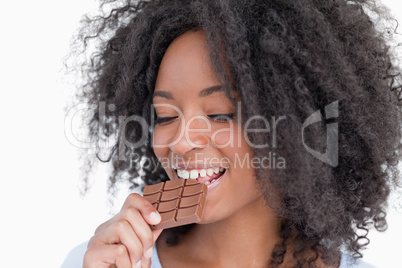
x: 223, y: 137
x: 228, y: 137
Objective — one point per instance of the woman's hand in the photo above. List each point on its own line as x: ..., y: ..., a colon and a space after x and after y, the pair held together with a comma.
x: 126, y: 240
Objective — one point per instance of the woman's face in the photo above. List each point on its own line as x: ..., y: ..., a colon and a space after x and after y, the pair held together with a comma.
x: 190, y: 137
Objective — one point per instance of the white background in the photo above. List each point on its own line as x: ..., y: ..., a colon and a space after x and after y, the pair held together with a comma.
x: 43, y: 215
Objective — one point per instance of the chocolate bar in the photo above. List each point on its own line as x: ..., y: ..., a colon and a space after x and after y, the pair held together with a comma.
x: 178, y: 201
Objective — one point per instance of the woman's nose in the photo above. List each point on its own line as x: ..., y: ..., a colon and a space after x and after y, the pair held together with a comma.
x: 191, y: 135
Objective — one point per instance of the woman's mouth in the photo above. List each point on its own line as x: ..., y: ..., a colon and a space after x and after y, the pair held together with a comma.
x: 208, y: 176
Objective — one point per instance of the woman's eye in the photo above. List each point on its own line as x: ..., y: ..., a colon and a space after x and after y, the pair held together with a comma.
x: 221, y: 117
x: 161, y: 120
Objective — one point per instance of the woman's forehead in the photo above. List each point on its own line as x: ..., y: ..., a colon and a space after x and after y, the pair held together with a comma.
x: 186, y: 65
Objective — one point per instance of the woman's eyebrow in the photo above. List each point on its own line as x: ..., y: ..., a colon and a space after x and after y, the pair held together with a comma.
x: 163, y: 94
x: 203, y: 93
x: 208, y: 91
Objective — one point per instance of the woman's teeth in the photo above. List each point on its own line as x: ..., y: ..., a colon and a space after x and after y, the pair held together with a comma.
x: 194, y: 174
x: 208, y: 182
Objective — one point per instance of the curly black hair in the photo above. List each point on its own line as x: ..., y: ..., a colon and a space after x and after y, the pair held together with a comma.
x: 283, y: 57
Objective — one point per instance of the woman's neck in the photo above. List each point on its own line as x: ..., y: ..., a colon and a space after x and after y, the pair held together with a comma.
x: 244, y: 239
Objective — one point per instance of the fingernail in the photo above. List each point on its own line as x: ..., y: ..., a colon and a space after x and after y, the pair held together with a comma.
x: 155, y: 217
x: 138, y: 265
x: 149, y: 252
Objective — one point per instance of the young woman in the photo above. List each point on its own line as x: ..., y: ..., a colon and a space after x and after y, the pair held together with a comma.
x: 294, y: 104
